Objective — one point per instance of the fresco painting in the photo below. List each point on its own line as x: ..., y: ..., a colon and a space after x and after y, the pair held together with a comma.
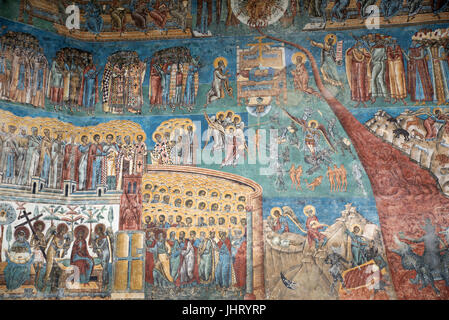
x: 211, y: 149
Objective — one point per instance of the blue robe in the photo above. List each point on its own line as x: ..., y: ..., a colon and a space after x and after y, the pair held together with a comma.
x: 189, y: 95
x: 390, y: 8
x: 89, y: 93
x: 223, y: 273
x: 21, y: 80
x: 94, y: 21
x: 175, y: 259
x: 359, y: 246
x: 166, y: 86
x: 16, y: 274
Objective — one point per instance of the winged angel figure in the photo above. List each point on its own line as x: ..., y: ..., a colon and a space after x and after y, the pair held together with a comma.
x: 313, y: 130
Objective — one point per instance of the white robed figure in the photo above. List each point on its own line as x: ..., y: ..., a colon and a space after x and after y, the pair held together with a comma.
x: 188, y: 262
x: 84, y: 148
x: 219, y: 83
x: 216, y: 131
x: 230, y: 147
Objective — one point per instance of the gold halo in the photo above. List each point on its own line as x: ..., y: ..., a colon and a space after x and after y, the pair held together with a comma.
x: 144, y: 136
x: 210, y: 206
x: 157, y: 193
x: 198, y: 206
x: 331, y: 35
x: 225, y: 219
x: 228, y: 193
x: 229, y: 128
x: 240, y: 203
x: 227, y: 111
x: 92, y: 134
x: 144, y: 185
x: 218, y: 194
x: 274, y: 209
x: 219, y: 113
x: 41, y: 131
x: 225, y: 61
x: 193, y: 203
x: 298, y: 54
x: 356, y: 225
x: 189, y: 190
x: 238, y: 117
x: 227, y: 204
x: 179, y: 231
x: 441, y: 110
x: 313, y: 121
x: 157, y: 132
x: 163, y: 187
x: 176, y: 198
x: 170, y: 230
x: 238, y: 198
x: 202, y: 189
x: 306, y: 208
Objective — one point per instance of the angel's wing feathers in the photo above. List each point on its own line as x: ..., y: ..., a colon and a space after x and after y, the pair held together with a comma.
x: 323, y: 131
x: 301, y: 122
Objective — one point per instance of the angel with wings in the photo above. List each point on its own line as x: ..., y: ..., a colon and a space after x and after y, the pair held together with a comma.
x: 313, y: 130
x: 216, y: 131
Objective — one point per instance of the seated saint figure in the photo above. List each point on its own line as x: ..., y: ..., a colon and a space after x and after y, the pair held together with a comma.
x: 80, y: 256
x: 19, y: 258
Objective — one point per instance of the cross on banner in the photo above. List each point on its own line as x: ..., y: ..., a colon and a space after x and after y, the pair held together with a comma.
x: 28, y: 221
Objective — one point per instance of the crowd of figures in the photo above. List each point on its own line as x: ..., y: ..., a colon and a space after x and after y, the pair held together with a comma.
x: 122, y: 83
x: 196, y: 231
x: 185, y: 258
x: 23, y: 69
x: 55, y: 156
x: 145, y: 15
x: 46, y: 251
x: 173, y: 79
x: 341, y: 11
x: 73, y: 81
x: 378, y: 67
x: 226, y: 129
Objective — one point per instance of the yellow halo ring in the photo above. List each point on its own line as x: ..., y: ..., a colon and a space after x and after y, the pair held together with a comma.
x: 218, y: 193
x: 210, y: 206
x: 155, y: 133
x: 331, y: 35
x: 143, y: 134
x: 313, y: 121
x: 202, y: 189
x: 160, y: 197
x: 219, y: 113
x: 356, y: 225
x: 230, y: 127
x: 243, y: 204
x: 238, y: 117
x: 433, y: 111
x: 299, y: 54
x: 238, y: 198
x: 191, y: 190
x: 193, y: 203
x: 176, y: 198
x: 147, y: 183
x: 273, y: 210
x: 306, y: 208
x: 225, y: 61
x: 228, y: 193
x: 179, y: 231
x: 227, y: 111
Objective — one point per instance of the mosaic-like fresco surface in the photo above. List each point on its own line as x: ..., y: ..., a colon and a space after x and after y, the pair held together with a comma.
x: 214, y: 149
